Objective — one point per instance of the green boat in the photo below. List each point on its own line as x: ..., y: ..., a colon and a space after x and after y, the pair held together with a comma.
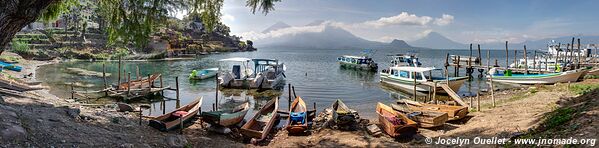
x: 226, y: 117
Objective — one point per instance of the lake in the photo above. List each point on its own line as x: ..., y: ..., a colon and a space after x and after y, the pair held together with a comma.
x: 314, y: 73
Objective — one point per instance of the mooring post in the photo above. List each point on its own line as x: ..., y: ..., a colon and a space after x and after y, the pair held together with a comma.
x: 293, y: 88
x: 525, y: 61
x: 213, y: 107
x: 480, y: 59
x: 289, y: 97
x: 414, y: 77
x: 216, y: 92
x: 557, y: 56
x: 478, y: 101
x: 104, y: 76
x: 507, y: 57
x: 457, y: 68
x: 488, y: 59
x: 177, y: 86
x: 534, y: 62
x: 435, y: 93
x: 516, y: 63
x: 150, y: 83
x: 137, y: 73
x: 492, y: 86
x: 161, y: 87
x: 140, y: 115
x: 471, y: 105
x: 72, y: 91
x: 128, y: 83
x: 181, y: 124
x: 119, y: 77
x: 572, y: 54
x: 163, y: 106
x: 579, y: 54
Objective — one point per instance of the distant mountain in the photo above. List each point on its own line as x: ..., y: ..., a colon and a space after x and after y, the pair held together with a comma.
x: 330, y: 37
x: 399, y: 44
x: 276, y: 26
x: 437, y: 41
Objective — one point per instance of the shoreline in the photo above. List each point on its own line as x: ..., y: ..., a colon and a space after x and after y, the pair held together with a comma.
x: 66, y: 123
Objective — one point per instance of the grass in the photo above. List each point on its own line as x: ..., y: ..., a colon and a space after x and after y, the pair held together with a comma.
x: 559, y: 117
x: 582, y: 89
x: 21, y: 47
x: 6, y: 58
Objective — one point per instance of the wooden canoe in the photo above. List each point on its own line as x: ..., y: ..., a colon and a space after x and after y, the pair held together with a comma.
x: 262, y: 122
x: 170, y: 120
x: 453, y: 112
x: 425, y: 119
x: 142, y: 83
x: 395, y: 123
x: 298, y: 117
x: 228, y: 117
x: 342, y: 115
x: 17, y: 85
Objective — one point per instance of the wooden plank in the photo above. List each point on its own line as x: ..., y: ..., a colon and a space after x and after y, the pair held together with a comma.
x: 454, y: 95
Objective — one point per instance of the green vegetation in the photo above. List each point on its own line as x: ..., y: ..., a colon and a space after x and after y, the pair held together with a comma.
x: 20, y: 47
x: 582, y: 89
x: 559, y: 117
x: 120, y: 52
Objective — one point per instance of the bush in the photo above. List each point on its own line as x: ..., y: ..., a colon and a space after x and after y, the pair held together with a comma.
x: 20, y: 47
x: 558, y: 117
x: 120, y: 52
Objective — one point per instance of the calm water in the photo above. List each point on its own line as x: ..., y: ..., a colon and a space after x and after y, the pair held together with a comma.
x: 314, y: 73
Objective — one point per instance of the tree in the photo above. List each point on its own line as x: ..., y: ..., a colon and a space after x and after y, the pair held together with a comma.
x: 126, y: 20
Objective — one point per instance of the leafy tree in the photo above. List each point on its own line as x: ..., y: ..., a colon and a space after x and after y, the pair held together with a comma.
x: 125, y: 20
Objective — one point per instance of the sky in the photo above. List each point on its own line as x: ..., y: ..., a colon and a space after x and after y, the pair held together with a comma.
x: 464, y: 21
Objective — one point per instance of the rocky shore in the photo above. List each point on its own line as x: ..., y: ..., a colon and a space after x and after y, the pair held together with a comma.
x: 40, y: 119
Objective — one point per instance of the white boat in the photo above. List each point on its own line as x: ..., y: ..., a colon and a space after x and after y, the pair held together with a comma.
x: 203, y: 74
x: 357, y: 62
x: 539, y: 64
x: 405, y: 60
x: 403, y: 78
x: 559, y: 77
x: 561, y: 50
x: 265, y: 74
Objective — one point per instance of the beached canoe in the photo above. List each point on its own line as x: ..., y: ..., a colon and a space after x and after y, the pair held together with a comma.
x: 298, y: 117
x: 425, y: 119
x: 173, y: 119
x: 18, y: 85
x: 226, y: 117
x: 142, y: 83
x: 203, y: 74
x: 262, y: 122
x: 394, y: 123
x: 453, y: 112
x: 10, y: 66
x: 342, y: 115
x: 559, y: 77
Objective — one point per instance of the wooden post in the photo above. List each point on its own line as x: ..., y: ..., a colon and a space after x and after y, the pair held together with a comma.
x: 572, y: 53
x: 525, y: 61
x: 177, y: 86
x: 488, y: 59
x: 150, y: 83
x: 119, y: 77
x: 446, y: 62
x: 546, y: 66
x: 435, y: 93
x: 480, y: 59
x: 507, y: 57
x: 163, y: 106
x: 213, y: 107
x: 557, y: 56
x: 72, y: 91
x: 137, y: 73
x: 104, y: 76
x: 128, y: 83
x: 471, y: 105
x: 293, y: 88
x: 181, y: 125
x: 478, y: 101
x: 289, y: 98
x: 217, y: 89
x: 579, y: 55
x: 534, y: 62
x: 492, y: 86
x: 140, y: 111
x: 457, y: 68
x: 161, y: 86
x: 414, y: 77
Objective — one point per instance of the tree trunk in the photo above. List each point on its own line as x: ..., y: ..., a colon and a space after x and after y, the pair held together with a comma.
x: 17, y: 14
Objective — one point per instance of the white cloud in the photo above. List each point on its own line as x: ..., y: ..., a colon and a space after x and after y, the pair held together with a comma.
x: 446, y: 19
x: 403, y: 18
x: 228, y: 17
x: 253, y: 35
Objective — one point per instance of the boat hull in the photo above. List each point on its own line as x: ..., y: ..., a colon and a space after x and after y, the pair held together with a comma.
x: 409, y: 128
x: 569, y: 76
x: 165, y: 122
x: 454, y: 84
x: 298, y: 106
x: 226, y: 119
x: 358, y: 66
x: 260, y: 129
x: 253, y: 83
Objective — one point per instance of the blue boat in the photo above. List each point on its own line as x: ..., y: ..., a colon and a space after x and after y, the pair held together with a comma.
x: 9, y: 66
